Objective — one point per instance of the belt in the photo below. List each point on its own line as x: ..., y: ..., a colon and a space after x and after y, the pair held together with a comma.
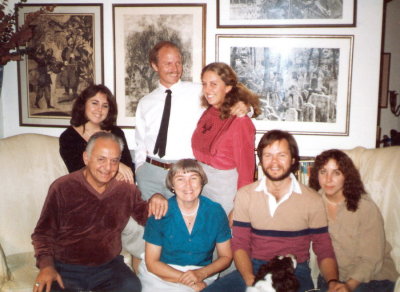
x: 158, y: 163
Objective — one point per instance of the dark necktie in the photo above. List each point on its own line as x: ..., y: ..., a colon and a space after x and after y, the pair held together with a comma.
x: 161, y: 142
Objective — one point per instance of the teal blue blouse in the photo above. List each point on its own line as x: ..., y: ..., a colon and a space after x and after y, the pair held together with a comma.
x: 182, y: 248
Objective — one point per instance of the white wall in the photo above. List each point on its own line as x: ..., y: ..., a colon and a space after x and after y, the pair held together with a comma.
x: 365, y: 81
x: 388, y: 120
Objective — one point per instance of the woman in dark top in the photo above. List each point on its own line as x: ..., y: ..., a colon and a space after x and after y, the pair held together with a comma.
x: 94, y: 110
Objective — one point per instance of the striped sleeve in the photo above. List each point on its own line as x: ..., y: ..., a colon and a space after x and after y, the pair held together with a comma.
x: 322, y: 245
x: 241, y: 230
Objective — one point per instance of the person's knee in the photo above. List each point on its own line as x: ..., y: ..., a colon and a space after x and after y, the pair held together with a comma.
x: 130, y: 284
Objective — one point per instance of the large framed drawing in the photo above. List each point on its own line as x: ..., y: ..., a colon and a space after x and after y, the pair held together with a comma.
x: 286, y: 13
x: 384, y: 84
x: 304, y: 81
x: 137, y: 28
x: 65, y: 56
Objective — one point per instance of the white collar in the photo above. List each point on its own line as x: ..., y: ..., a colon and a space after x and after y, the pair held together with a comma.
x: 295, y: 185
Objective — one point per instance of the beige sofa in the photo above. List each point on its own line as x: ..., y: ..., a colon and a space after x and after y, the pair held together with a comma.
x: 29, y: 163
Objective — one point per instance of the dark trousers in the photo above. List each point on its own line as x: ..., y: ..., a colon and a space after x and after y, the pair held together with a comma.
x: 112, y: 276
x: 372, y: 286
x: 234, y: 282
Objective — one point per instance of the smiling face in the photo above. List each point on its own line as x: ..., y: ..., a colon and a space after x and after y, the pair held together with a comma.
x: 331, y: 180
x: 214, y: 89
x: 277, y: 160
x: 102, y: 163
x: 169, y: 66
x: 187, y: 186
x: 97, y: 108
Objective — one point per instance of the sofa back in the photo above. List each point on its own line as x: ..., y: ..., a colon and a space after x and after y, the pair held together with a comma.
x: 29, y: 163
x: 380, y: 172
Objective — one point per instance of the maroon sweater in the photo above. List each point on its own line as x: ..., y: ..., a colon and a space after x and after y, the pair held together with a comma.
x: 80, y: 226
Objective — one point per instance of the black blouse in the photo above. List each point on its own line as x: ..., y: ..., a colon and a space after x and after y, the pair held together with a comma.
x: 72, y: 146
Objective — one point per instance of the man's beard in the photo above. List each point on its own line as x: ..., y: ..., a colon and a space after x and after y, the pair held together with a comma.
x: 279, y: 178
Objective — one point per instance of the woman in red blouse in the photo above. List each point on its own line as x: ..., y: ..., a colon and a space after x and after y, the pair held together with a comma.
x: 224, y: 143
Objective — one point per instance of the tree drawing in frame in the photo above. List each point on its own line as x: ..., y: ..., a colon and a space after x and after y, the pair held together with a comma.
x: 63, y: 60
x: 297, y: 85
x: 258, y: 13
x: 300, y: 85
x: 288, y: 9
x: 141, y: 31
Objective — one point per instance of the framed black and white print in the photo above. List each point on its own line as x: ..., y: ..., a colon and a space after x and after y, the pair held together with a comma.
x: 304, y: 81
x: 285, y: 13
x: 137, y: 28
x: 65, y: 56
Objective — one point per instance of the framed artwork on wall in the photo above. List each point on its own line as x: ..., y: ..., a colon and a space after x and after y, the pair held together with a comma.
x: 286, y: 13
x: 304, y: 81
x: 384, y: 84
x: 137, y: 28
x: 65, y: 56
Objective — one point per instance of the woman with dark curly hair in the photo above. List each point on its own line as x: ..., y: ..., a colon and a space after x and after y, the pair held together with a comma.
x: 222, y: 142
x: 94, y: 110
x: 355, y: 225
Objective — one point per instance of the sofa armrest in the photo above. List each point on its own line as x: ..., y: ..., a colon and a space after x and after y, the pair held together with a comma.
x: 4, y: 271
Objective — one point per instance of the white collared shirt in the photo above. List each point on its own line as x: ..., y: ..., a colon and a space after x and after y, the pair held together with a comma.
x: 273, y: 204
x: 185, y: 113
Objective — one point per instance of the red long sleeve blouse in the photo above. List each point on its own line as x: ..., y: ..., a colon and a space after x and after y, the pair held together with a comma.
x: 226, y: 144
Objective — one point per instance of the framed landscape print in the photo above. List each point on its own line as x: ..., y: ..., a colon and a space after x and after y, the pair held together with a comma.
x: 304, y: 81
x: 286, y: 13
x: 137, y: 28
x: 65, y: 56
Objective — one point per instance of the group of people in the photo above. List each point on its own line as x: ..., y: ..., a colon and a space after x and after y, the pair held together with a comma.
x: 196, y: 196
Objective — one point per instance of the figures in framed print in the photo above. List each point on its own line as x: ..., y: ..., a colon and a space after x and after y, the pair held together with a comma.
x: 64, y: 57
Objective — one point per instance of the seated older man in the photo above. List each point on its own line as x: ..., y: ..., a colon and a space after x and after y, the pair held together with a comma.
x: 77, y: 239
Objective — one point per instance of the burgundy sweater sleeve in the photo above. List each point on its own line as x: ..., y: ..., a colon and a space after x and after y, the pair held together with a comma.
x: 45, y: 232
x: 139, y: 207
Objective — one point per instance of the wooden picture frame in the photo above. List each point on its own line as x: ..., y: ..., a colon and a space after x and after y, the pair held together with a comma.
x: 285, y: 13
x: 65, y: 56
x: 304, y: 81
x: 137, y: 28
x: 384, y: 80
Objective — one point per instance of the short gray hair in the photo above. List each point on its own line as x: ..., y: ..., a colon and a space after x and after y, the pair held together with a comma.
x: 185, y: 166
x: 103, y: 135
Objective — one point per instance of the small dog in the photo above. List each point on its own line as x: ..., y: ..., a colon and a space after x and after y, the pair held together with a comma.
x: 276, y: 276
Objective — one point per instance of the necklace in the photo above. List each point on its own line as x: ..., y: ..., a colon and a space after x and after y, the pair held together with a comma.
x: 194, y: 212
x: 332, y: 203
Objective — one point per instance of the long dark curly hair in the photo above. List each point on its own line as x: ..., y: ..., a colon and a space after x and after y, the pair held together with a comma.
x: 353, y: 187
x: 78, y: 116
x: 239, y: 91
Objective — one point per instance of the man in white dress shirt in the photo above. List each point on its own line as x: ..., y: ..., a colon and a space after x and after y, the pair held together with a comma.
x: 151, y: 169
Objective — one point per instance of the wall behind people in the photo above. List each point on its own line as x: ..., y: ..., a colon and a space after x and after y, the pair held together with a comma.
x: 365, y: 75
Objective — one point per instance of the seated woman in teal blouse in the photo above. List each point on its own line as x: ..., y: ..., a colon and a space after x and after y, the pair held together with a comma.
x: 179, y: 247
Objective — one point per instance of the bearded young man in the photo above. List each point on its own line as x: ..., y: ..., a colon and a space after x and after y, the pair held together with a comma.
x: 278, y: 216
